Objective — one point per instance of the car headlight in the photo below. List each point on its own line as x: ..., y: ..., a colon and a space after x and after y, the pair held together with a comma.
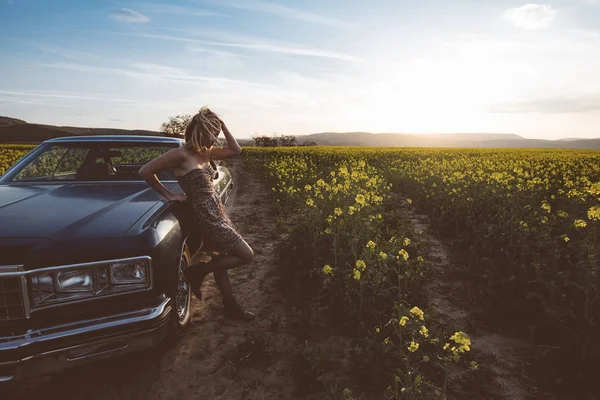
x: 128, y: 273
x: 74, y: 281
x: 86, y: 281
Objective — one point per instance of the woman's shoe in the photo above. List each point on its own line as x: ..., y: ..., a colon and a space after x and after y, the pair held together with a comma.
x: 234, y: 311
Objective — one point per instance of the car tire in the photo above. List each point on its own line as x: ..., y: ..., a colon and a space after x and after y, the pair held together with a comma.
x: 181, y: 292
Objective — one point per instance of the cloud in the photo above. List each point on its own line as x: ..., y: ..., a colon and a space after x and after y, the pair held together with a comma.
x: 45, y: 96
x: 179, y: 10
x: 63, y: 52
x: 127, y: 15
x: 157, y: 72
x: 217, y: 58
x: 256, y: 44
x: 531, y: 16
x: 550, y: 105
x: 283, y: 11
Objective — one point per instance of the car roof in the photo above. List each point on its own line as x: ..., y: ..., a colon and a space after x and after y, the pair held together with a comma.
x: 116, y: 138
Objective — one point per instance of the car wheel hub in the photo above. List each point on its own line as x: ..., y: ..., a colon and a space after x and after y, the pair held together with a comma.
x: 183, y: 293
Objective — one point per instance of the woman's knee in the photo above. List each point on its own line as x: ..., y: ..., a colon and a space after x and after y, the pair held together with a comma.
x: 248, y: 254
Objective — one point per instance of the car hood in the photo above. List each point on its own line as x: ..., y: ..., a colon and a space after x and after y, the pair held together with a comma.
x: 74, y: 210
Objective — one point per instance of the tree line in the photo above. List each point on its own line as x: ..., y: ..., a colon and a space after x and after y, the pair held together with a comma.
x: 175, y: 127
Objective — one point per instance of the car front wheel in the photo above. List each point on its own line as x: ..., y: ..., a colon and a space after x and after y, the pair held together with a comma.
x: 181, y: 293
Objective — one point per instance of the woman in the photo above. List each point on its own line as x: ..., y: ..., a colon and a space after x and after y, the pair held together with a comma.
x: 191, y: 163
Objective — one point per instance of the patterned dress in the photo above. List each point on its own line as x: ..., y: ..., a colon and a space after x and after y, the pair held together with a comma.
x: 210, y: 219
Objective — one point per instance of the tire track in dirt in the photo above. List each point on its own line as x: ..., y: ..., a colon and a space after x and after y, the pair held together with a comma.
x: 500, y: 356
x: 217, y: 358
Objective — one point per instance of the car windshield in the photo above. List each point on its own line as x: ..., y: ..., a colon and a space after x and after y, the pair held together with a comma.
x: 91, y: 161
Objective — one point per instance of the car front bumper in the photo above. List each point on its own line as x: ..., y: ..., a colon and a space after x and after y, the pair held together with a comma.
x: 57, y: 348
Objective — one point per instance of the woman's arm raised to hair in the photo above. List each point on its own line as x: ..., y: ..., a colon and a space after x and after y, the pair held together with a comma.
x: 170, y: 159
x: 232, y: 149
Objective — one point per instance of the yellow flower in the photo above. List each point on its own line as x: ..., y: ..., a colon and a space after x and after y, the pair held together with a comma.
x: 351, y: 210
x: 562, y: 214
x: 386, y: 340
x: 307, y: 188
x: 409, y: 201
x: 310, y: 202
x: 356, y: 274
x: 403, y: 320
x: 413, y: 347
x: 418, y: 313
x: 327, y: 270
x: 382, y: 255
x: 579, y: 223
x: 377, y: 330
x: 426, y: 358
x: 338, y: 211
x: 360, y: 265
x: 463, y: 340
x: 446, y: 346
x: 594, y: 213
x: 406, y: 242
x: 473, y: 365
x: 546, y: 206
x: 420, y: 259
x: 565, y: 238
x: 360, y: 199
x: 404, y: 254
x: 371, y: 245
x: 423, y: 331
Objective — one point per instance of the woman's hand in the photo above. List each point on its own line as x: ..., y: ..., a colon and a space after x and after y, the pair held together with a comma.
x: 177, y: 197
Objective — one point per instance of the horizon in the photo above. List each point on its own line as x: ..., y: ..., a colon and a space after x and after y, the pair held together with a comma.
x: 431, y: 67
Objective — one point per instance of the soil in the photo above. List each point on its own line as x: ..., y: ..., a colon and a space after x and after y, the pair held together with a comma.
x: 503, y: 373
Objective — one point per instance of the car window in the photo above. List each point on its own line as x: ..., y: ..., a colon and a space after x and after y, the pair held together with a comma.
x: 71, y: 161
x: 43, y: 166
x: 93, y: 161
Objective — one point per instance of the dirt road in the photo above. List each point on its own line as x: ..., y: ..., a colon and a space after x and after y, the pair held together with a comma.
x: 217, y: 359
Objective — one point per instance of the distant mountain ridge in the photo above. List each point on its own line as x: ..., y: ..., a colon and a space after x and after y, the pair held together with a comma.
x: 17, y: 131
x: 14, y: 130
x: 460, y: 140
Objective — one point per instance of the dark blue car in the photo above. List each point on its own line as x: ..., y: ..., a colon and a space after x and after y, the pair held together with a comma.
x: 91, y: 258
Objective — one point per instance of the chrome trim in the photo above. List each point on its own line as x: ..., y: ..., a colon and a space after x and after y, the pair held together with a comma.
x: 138, y: 330
x: 29, y: 308
x: 79, y: 265
x: 9, y: 271
x: 72, y: 329
x: 10, y: 268
x: 25, y: 296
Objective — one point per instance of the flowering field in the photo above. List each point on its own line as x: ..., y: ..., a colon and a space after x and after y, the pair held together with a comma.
x: 524, y: 223
x: 10, y: 154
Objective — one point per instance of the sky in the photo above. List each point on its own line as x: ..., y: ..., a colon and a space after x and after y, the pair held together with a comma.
x: 306, y: 66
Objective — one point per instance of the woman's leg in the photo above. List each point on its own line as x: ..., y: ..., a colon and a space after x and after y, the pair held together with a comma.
x: 219, y: 265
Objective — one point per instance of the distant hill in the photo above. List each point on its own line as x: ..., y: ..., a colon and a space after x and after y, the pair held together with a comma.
x: 462, y: 140
x: 6, y: 121
x: 16, y: 131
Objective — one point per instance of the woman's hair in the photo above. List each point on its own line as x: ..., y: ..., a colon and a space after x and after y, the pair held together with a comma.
x: 202, y: 130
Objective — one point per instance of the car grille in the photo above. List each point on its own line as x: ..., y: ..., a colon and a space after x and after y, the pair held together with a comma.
x: 11, y: 299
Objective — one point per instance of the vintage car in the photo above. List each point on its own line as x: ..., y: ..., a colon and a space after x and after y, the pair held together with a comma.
x: 91, y: 257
